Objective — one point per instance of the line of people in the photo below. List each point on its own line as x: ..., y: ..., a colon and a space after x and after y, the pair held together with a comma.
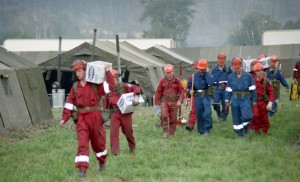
x: 253, y: 97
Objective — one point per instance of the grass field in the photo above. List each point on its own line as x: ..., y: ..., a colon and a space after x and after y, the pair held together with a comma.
x: 46, y: 152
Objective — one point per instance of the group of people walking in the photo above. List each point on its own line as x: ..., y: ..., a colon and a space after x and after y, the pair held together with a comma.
x: 252, y: 97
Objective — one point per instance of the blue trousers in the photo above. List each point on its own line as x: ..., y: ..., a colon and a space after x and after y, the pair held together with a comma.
x: 203, y: 113
x: 219, y: 100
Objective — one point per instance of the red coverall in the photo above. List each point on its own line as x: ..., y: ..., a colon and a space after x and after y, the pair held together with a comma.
x: 89, y: 125
x: 296, y: 72
x: 121, y: 120
x: 260, y: 113
x: 167, y: 94
x: 192, y: 116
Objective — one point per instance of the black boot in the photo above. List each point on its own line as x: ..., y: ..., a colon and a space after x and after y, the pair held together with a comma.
x: 81, y: 174
x: 102, y: 167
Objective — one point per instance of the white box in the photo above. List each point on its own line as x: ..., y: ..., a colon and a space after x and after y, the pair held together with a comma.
x: 95, y: 71
x: 125, y: 103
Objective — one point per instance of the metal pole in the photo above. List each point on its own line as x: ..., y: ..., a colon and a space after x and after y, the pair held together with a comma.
x: 59, y: 62
x: 94, y: 42
x: 118, y: 57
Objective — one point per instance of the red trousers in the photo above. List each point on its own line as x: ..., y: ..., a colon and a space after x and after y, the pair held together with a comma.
x: 192, y: 116
x: 260, y: 119
x: 125, y: 122
x: 169, y: 116
x: 90, y: 128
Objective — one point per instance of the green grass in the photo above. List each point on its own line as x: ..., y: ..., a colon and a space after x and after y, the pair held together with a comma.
x: 47, y: 152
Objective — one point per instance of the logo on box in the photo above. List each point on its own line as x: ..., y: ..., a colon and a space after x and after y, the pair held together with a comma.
x: 91, y: 73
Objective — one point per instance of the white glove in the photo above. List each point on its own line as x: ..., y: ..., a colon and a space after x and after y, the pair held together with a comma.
x: 269, y: 106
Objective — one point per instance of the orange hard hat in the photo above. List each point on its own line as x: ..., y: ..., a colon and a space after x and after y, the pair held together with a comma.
x: 274, y: 59
x: 114, y: 72
x: 236, y: 62
x: 221, y: 57
x: 79, y: 64
x: 261, y: 56
x: 202, y: 64
x: 258, y: 66
x: 168, y: 68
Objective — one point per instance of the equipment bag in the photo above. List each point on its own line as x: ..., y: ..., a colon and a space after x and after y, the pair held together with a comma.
x: 294, y: 92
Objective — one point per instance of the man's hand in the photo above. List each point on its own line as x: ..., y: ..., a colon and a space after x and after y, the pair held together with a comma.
x: 192, y: 92
x: 254, y: 104
x: 136, y: 100
x: 107, y: 67
x: 227, y: 106
x: 178, y: 103
x: 269, y: 106
x: 61, y: 123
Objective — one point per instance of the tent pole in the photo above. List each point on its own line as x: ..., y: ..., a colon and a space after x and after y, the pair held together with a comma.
x: 94, y: 42
x: 59, y: 62
x: 118, y: 57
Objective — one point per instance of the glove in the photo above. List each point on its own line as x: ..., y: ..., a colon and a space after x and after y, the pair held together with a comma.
x: 136, y: 100
x: 269, y: 106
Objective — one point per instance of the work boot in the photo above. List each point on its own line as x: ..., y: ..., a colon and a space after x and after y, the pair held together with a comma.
x: 189, y: 128
x: 102, y: 167
x: 165, y: 135
x: 132, y: 150
x: 81, y: 174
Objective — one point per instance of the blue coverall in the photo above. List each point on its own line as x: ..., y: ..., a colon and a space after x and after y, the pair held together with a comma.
x: 273, y: 78
x: 203, y: 100
x: 220, y: 79
x: 241, y: 93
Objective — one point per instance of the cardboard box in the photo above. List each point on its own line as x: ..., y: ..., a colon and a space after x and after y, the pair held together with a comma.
x: 125, y: 103
x: 95, y: 71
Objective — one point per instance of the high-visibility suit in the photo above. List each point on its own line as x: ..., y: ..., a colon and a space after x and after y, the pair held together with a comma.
x: 220, y: 78
x: 192, y: 115
x: 265, y: 93
x: 275, y: 76
x: 89, y: 126
x: 241, y: 92
x: 168, y: 93
x: 203, y: 92
x: 121, y: 120
x: 296, y: 72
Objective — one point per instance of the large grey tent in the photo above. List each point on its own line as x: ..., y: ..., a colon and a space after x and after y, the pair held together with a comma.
x: 140, y: 67
x: 173, y: 58
x: 23, y: 96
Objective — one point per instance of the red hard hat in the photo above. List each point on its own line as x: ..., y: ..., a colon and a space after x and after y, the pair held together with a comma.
x: 79, y: 64
x: 169, y: 68
x: 261, y: 56
x: 253, y: 63
x: 236, y: 62
x: 258, y: 66
x: 274, y: 59
x: 221, y: 57
x: 202, y: 64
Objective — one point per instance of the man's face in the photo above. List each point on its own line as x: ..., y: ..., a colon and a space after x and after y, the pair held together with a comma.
x: 237, y: 69
x: 195, y: 70
x: 80, y: 73
x: 221, y: 62
x: 202, y: 71
x: 259, y: 74
x: 169, y: 75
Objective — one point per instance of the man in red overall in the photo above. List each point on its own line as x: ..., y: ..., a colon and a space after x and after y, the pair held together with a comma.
x: 265, y: 99
x: 169, y: 94
x: 90, y: 124
x: 192, y: 115
x: 117, y: 118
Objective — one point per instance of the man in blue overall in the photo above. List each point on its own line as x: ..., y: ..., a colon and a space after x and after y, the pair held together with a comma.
x: 220, y: 73
x: 202, y: 89
x: 275, y: 76
x: 241, y: 95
